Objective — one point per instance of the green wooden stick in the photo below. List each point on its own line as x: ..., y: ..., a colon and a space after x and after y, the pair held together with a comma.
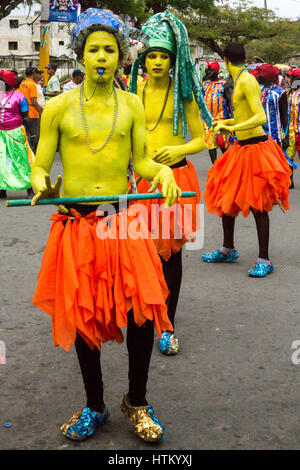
x: 86, y: 199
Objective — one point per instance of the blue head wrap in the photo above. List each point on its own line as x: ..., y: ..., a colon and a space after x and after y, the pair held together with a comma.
x: 94, y: 19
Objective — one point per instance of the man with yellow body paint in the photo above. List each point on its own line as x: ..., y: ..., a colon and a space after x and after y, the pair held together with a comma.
x: 171, y: 97
x: 252, y: 175
x: 94, y: 283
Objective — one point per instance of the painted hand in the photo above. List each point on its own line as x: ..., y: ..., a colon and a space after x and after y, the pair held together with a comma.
x: 169, y: 188
x: 220, y: 127
x: 49, y: 191
x: 166, y: 155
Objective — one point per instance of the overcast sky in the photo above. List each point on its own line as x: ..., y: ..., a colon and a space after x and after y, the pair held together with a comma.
x: 284, y: 8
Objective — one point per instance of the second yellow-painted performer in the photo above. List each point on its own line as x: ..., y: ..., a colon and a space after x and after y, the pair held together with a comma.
x: 169, y: 113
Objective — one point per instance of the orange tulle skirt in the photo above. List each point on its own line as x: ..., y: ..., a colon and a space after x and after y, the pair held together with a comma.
x: 253, y: 176
x: 91, y: 276
x: 172, y: 228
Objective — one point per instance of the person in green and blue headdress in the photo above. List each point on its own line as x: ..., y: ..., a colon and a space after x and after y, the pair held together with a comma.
x: 173, y: 103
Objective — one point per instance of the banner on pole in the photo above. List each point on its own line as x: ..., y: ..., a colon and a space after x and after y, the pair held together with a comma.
x: 63, y: 11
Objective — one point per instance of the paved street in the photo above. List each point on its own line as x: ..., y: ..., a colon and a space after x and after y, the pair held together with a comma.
x: 232, y: 386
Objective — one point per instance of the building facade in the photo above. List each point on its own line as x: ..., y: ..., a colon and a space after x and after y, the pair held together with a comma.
x: 20, y: 43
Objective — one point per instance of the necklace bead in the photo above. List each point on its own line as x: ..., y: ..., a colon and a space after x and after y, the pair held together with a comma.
x: 85, y: 125
x: 164, y: 105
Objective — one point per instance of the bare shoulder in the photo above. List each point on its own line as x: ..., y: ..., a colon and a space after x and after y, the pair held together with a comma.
x: 247, y: 80
x: 58, y: 105
x: 132, y: 100
x: 55, y: 105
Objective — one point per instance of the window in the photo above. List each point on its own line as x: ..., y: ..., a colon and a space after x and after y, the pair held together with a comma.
x: 13, y: 45
x: 13, y: 24
x: 36, y: 46
x: 61, y: 43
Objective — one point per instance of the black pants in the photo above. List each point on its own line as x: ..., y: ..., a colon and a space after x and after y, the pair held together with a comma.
x: 33, y: 132
x: 139, y: 344
x: 172, y: 270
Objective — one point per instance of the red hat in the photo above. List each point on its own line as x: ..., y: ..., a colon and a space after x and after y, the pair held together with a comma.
x: 254, y: 72
x: 294, y: 73
x: 213, y: 66
x: 268, y: 72
x: 9, y: 77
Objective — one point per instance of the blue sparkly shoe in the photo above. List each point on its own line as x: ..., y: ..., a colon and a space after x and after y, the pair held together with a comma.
x: 168, y: 344
x: 219, y: 257
x: 261, y: 270
x: 84, y: 423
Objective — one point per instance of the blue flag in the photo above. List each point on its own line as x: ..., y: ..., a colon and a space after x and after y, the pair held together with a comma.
x: 63, y: 11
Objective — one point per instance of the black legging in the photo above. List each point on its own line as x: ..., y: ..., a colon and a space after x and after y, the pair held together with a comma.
x: 172, y: 270
x: 263, y: 230
x: 213, y: 153
x: 139, y: 344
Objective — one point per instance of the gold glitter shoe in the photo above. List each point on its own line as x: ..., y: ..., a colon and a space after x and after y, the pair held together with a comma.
x: 146, y: 425
x: 84, y: 424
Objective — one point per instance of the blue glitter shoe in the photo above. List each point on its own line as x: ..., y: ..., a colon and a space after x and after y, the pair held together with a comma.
x: 84, y: 423
x: 168, y: 344
x: 261, y: 270
x: 219, y: 257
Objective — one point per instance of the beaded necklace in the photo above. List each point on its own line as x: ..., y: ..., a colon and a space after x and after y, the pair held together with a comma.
x: 85, y: 124
x: 164, y: 105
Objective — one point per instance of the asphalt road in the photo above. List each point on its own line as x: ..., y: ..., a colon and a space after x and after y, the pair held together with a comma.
x: 232, y: 386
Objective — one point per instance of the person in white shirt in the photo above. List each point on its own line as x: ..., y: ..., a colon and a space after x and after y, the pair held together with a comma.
x: 39, y: 80
x: 77, y: 78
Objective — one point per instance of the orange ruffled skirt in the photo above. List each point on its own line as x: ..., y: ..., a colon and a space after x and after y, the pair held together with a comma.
x: 172, y: 228
x: 253, y: 176
x: 90, y: 279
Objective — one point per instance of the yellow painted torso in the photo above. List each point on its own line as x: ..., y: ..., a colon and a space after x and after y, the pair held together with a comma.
x: 85, y: 172
x: 241, y: 107
x: 163, y: 134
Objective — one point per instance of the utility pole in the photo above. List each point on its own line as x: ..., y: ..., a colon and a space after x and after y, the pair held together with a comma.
x: 266, y: 6
x: 45, y: 50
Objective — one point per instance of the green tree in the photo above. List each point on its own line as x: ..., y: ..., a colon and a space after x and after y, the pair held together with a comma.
x: 240, y: 22
x: 280, y: 48
x: 7, y: 6
x: 141, y: 9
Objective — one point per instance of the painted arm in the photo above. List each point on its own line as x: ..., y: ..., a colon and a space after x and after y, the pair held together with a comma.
x: 143, y: 165
x: 46, y: 150
x: 251, y: 92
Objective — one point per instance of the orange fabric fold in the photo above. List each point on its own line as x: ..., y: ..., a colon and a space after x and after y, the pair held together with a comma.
x: 172, y: 228
x: 90, y: 278
x: 252, y: 176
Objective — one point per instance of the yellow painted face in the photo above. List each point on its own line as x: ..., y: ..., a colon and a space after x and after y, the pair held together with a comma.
x: 101, y: 51
x: 158, y: 64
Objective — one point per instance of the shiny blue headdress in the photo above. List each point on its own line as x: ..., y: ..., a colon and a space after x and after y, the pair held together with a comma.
x: 166, y: 31
x: 94, y: 19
